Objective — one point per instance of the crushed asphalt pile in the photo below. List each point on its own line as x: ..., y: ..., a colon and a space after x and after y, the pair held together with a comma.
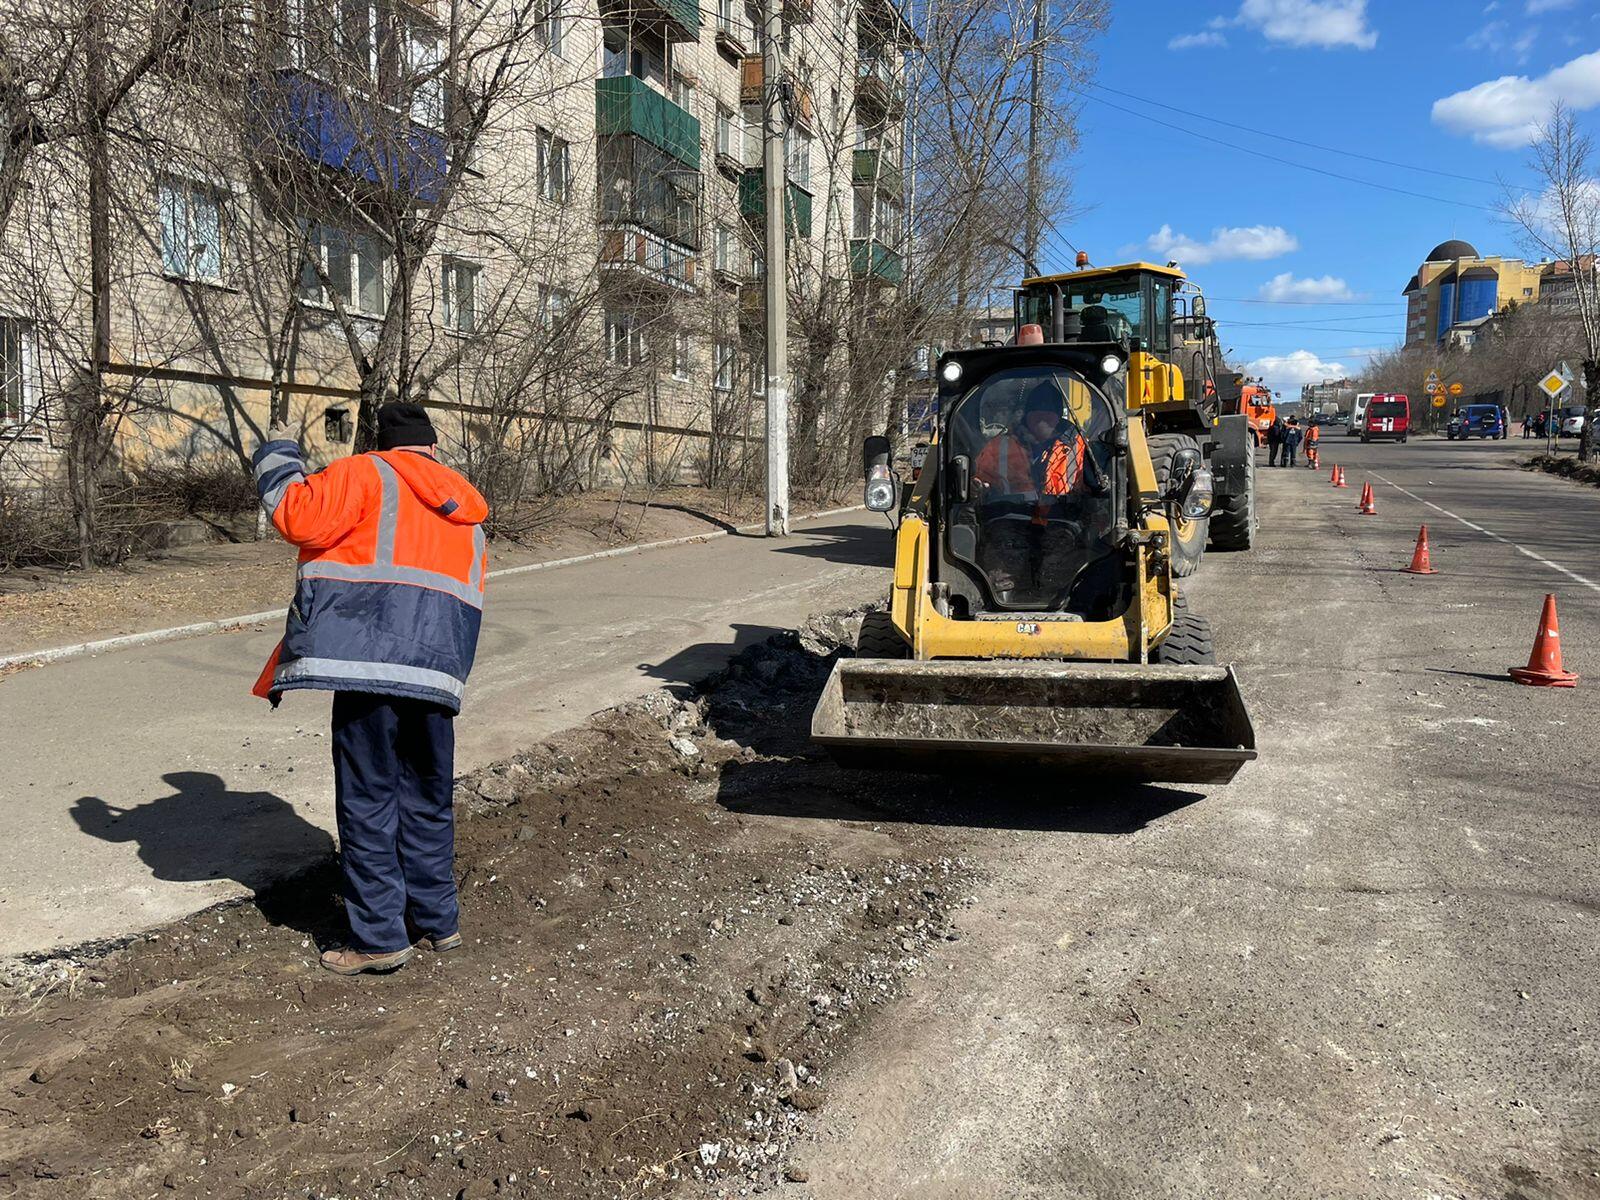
x: 666, y: 949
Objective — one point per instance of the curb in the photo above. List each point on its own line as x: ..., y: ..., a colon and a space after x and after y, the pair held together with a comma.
x: 178, y: 633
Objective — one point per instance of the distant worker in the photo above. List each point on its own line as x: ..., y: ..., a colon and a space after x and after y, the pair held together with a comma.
x: 1527, y: 425
x: 385, y: 616
x: 1275, y: 440
x: 1292, y: 433
x: 1313, y: 436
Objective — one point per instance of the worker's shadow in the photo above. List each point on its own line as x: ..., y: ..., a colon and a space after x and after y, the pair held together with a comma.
x: 204, y: 831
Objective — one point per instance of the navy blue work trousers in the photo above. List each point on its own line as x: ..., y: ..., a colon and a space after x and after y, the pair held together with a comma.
x: 393, y: 776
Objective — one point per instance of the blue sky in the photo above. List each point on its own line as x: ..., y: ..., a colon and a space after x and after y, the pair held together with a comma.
x: 1447, y: 85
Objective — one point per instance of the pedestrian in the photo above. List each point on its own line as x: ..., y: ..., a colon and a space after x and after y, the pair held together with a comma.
x: 1313, y: 449
x: 387, y: 605
x: 1292, y: 433
x: 1527, y: 425
x: 1275, y: 440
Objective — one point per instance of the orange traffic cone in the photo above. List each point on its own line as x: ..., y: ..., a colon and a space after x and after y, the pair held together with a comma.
x: 1333, y: 475
x: 1342, y: 482
x: 1368, y: 507
x: 1419, y: 558
x: 1544, y: 664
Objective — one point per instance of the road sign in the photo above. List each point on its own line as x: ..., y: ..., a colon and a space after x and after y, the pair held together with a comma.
x: 1438, y: 399
x: 1455, y: 389
x: 1430, y: 387
x: 1433, y: 380
x: 1553, y: 384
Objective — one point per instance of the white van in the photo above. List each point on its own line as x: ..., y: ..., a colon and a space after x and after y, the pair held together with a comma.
x: 1358, y: 414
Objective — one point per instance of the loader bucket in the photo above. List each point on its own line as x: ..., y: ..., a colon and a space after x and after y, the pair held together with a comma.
x: 1175, y: 724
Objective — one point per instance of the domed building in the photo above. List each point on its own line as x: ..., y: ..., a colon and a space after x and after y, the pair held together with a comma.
x: 1455, y: 288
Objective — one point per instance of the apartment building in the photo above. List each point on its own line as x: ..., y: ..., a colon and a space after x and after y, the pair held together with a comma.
x: 297, y: 201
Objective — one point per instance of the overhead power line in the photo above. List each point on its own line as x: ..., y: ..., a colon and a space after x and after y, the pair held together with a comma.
x: 1294, y: 141
x: 1315, y: 303
x: 1288, y: 162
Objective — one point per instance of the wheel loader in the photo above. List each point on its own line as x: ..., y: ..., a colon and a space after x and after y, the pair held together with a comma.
x: 1033, y: 615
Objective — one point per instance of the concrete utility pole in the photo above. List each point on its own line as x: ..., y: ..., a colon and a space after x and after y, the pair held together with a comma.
x: 1035, y: 213
x: 775, y: 180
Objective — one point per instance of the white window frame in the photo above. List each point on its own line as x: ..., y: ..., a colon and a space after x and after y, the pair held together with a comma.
x: 23, y: 375
x: 730, y: 133
x: 554, y: 162
x: 551, y: 28
x: 355, y: 241
x: 454, y: 270
x: 424, y: 55
x: 797, y: 157
x: 758, y: 374
x: 682, y: 350
x: 724, y: 245
x: 624, y: 340
x: 176, y: 194
x: 724, y: 356
x: 555, y: 304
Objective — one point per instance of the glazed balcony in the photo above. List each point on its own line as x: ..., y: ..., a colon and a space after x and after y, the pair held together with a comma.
x: 628, y: 105
x: 871, y: 260
x: 753, y: 202
x: 879, y: 86
x: 674, y: 20
x: 879, y: 169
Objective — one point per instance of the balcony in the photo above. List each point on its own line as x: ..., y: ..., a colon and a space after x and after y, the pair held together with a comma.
x: 880, y: 169
x: 753, y: 203
x: 734, y: 34
x: 628, y: 105
x: 752, y: 77
x: 675, y: 20
x: 360, y: 136
x: 870, y: 259
x: 879, y: 87
x: 634, y: 255
x: 640, y: 184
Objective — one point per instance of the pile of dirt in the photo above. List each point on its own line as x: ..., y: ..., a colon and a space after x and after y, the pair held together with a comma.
x: 664, y: 952
x: 1567, y: 468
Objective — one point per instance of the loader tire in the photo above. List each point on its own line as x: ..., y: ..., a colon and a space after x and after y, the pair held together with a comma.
x: 879, y: 638
x: 1188, y: 643
x: 1188, y: 537
x: 1233, y: 520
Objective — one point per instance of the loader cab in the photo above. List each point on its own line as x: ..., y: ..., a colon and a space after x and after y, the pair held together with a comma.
x: 1030, y: 481
x: 1132, y: 305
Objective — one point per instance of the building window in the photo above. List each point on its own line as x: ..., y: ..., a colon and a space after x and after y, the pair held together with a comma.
x: 551, y: 27
x: 723, y: 366
x: 725, y: 251
x: 17, y: 394
x: 758, y: 374
x: 356, y: 264
x: 461, y: 295
x: 624, y: 340
x: 633, y: 52
x: 554, y: 305
x: 191, y: 230
x: 682, y: 92
x: 875, y: 216
x: 798, y: 154
x: 752, y: 135
x: 681, y: 349
x: 555, y: 167
x: 336, y: 425
x: 728, y: 133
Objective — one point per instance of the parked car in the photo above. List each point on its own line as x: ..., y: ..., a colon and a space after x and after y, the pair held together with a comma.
x: 1476, y: 420
x: 1571, y: 417
x: 1358, y: 415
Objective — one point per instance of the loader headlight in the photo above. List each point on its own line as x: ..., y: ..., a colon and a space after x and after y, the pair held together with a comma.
x: 1110, y: 364
x: 1199, y: 495
x: 883, y: 490
x: 950, y: 372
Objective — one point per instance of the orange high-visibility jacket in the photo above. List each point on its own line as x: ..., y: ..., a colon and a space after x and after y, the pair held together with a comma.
x: 1008, y: 467
x: 389, y: 589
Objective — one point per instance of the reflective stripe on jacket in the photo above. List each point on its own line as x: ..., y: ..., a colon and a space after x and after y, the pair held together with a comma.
x: 389, y: 589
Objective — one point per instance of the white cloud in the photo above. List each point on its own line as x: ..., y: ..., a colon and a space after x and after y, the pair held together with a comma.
x: 1254, y: 242
x: 1285, y: 373
x: 1535, y: 7
x: 1325, y: 23
x: 1506, y: 112
x: 1496, y: 36
x: 1287, y: 287
x: 1193, y: 41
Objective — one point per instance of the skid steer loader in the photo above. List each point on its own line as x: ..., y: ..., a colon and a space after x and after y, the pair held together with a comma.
x: 1032, y: 615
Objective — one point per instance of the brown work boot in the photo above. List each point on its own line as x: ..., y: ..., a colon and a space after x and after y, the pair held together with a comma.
x: 358, y: 962
x: 441, y: 945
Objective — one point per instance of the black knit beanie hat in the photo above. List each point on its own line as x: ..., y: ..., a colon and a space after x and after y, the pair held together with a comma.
x: 404, y: 425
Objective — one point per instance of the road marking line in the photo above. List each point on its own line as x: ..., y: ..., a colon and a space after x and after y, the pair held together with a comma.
x: 1489, y: 533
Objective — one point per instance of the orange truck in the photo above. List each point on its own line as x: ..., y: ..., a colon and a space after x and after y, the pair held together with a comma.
x: 1256, y: 404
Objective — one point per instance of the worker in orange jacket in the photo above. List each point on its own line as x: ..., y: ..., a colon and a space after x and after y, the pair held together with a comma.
x: 1313, y: 436
x: 387, y: 606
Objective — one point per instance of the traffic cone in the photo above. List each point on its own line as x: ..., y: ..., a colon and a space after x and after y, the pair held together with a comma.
x: 1368, y: 506
x: 1339, y: 477
x: 1544, y: 664
x: 1333, y: 475
x: 1419, y: 558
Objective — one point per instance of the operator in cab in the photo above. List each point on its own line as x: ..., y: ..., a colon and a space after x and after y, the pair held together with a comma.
x: 1026, y: 478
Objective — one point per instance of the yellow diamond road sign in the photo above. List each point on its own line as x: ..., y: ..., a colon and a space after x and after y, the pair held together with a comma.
x: 1553, y: 385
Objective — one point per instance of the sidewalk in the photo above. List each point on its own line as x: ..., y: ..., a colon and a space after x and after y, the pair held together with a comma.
x: 146, y: 784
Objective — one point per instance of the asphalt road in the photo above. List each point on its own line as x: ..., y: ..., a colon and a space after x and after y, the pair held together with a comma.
x: 143, y: 785
x: 1370, y: 967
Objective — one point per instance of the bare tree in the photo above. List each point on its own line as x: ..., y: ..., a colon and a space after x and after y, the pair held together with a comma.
x: 1562, y: 221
